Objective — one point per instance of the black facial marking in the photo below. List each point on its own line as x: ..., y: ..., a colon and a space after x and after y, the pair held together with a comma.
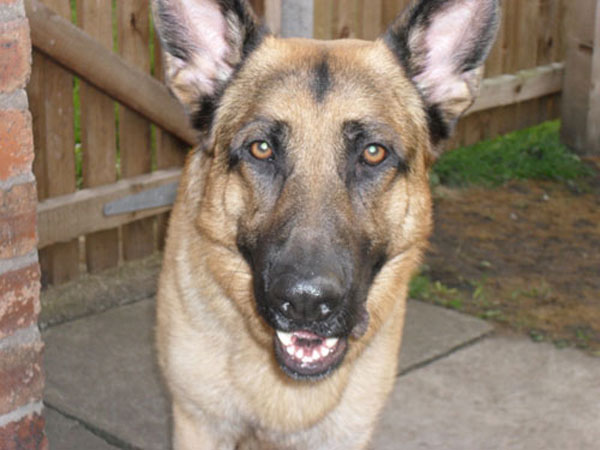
x: 439, y: 129
x: 202, y: 117
x: 321, y: 80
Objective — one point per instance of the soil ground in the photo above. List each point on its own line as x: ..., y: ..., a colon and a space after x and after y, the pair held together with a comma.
x: 525, y: 255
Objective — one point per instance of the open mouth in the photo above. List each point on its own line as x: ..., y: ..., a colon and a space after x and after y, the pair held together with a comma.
x: 305, y: 355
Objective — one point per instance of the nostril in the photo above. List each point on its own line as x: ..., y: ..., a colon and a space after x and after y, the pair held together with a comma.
x: 286, y: 307
x: 298, y: 298
x: 324, y: 310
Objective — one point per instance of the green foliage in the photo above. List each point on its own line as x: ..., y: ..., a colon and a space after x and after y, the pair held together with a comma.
x: 534, y: 153
x: 423, y: 288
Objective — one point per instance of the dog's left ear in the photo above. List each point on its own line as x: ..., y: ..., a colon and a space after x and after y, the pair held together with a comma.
x: 204, y: 42
x: 442, y: 45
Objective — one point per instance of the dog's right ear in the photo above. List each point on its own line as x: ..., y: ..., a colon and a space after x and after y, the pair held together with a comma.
x: 204, y: 41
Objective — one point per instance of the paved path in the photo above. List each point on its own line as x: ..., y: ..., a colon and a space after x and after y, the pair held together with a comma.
x: 460, y: 387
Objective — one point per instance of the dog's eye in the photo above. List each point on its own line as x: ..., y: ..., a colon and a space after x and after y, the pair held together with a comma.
x: 261, y: 150
x: 374, y: 154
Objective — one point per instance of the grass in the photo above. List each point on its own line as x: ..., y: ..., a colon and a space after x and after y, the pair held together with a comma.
x: 423, y: 288
x: 533, y: 153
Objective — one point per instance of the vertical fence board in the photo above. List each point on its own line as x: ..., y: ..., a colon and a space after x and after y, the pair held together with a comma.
x: 273, y: 15
x: 35, y: 94
x: 60, y: 262
x: 134, y: 131
x: 346, y: 25
x: 258, y: 7
x: 323, y: 19
x: 578, y: 84
x: 593, y: 120
x: 527, y: 113
x: 372, y: 11
x: 391, y: 9
x: 98, y: 138
x: 170, y: 151
x: 560, y: 30
x: 504, y: 118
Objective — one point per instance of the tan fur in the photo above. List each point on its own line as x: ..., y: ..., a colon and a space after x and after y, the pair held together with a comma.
x: 215, y: 351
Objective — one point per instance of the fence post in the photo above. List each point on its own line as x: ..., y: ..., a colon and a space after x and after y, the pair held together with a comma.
x: 593, y: 123
x: 290, y: 18
x: 581, y: 93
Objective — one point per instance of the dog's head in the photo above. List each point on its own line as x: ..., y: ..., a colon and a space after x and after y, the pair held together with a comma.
x: 317, y: 156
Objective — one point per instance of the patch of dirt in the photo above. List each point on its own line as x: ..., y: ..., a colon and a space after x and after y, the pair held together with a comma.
x: 525, y: 255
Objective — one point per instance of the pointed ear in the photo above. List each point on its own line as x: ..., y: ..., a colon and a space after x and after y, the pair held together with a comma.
x: 204, y: 42
x: 442, y: 45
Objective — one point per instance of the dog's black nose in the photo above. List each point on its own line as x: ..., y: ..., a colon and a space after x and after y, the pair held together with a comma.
x: 306, y: 299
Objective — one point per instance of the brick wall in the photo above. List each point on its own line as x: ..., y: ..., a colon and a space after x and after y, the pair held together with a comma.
x: 21, y: 375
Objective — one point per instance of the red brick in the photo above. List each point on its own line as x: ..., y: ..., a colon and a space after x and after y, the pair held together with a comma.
x: 21, y: 375
x: 18, y: 220
x: 19, y: 299
x: 26, y: 434
x: 15, y: 55
x: 16, y: 142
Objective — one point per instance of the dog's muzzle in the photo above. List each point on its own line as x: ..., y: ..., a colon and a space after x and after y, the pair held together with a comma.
x: 310, y: 287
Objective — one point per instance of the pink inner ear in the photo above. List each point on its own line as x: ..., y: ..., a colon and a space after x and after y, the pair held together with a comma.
x: 449, y: 35
x: 208, y: 37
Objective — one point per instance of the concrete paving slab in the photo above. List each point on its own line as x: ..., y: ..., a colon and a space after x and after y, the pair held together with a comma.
x: 67, y: 434
x: 501, y: 393
x: 431, y: 332
x: 101, y: 368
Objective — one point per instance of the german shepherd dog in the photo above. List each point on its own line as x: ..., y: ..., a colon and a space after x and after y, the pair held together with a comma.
x: 301, y: 216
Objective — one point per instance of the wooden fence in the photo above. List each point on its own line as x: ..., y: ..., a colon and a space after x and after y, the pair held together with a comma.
x: 113, y: 141
x: 91, y: 149
x: 531, y: 35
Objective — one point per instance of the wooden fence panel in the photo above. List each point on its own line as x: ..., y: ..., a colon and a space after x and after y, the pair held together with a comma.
x: 170, y: 151
x: 532, y: 34
x: 53, y: 95
x: 133, y: 18
x: 98, y: 135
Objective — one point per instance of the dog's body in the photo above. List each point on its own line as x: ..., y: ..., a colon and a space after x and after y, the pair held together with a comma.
x: 301, y: 220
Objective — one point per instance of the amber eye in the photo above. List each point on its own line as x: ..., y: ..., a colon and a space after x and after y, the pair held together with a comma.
x: 374, y: 154
x: 261, y: 150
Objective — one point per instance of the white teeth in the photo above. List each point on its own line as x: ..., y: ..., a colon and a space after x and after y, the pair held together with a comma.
x: 331, y: 342
x: 285, y: 338
x: 306, y: 354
